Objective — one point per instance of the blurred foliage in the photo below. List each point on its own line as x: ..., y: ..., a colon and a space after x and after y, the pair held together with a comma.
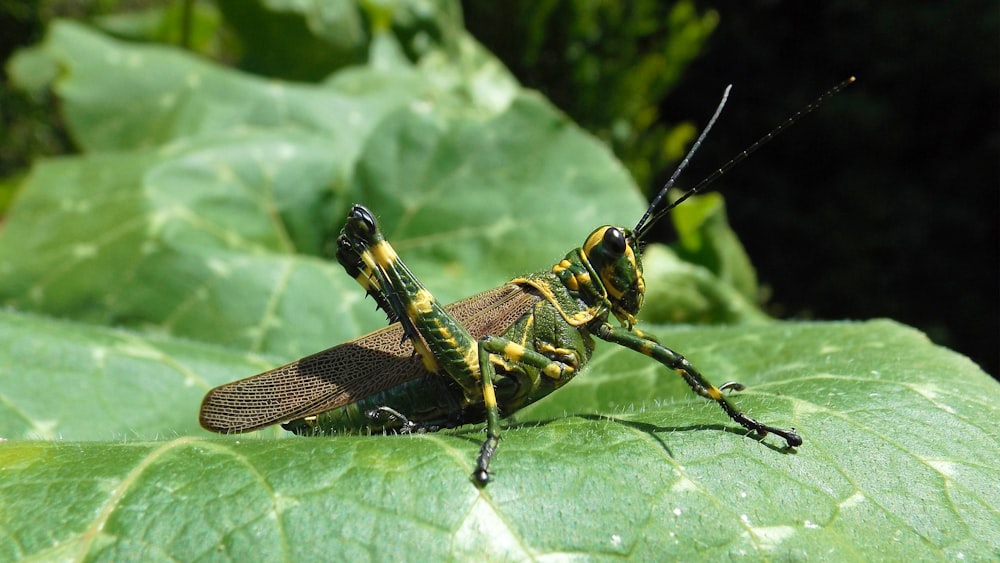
x: 29, y: 122
x: 608, y: 65
x: 901, y: 168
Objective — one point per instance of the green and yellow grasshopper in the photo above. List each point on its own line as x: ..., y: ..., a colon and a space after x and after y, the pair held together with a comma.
x: 441, y: 366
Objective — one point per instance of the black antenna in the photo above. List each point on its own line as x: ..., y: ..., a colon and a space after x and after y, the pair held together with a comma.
x: 639, y: 227
x: 653, y: 214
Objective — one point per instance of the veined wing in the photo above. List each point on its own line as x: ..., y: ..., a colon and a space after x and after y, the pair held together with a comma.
x: 351, y: 371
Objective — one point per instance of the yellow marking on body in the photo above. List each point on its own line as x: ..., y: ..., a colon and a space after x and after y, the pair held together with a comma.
x: 448, y: 337
x: 546, y: 348
x: 443, y: 332
x: 542, y: 288
x: 368, y: 259
x: 564, y: 264
x: 499, y: 363
x: 608, y: 272
x: 412, y: 311
x: 607, y: 275
x: 631, y: 258
x: 627, y: 319
x: 529, y: 329
x: 553, y: 371
x: 595, y: 238
x: 578, y: 318
x: 572, y: 285
x: 714, y: 393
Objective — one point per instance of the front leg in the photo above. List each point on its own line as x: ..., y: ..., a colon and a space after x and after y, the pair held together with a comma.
x: 645, y: 345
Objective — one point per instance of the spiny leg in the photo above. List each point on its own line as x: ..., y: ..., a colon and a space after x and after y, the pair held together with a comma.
x: 513, y: 352
x: 646, y: 345
x: 444, y: 344
x: 355, y: 267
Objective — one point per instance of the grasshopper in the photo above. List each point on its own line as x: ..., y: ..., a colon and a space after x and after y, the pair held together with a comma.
x: 441, y: 366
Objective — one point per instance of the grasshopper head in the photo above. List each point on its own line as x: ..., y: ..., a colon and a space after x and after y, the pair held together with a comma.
x: 613, y: 253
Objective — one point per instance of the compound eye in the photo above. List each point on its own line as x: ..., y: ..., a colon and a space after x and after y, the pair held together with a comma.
x: 614, y: 241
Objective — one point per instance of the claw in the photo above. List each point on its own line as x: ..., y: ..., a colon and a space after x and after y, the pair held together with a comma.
x: 481, y: 477
x: 408, y: 424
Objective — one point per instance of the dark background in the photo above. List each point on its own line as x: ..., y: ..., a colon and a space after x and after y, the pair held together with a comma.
x: 885, y: 203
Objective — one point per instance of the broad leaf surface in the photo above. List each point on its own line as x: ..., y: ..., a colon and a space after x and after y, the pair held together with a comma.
x: 896, y: 459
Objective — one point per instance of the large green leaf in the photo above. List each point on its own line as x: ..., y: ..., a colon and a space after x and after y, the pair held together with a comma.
x: 218, y: 231
x: 118, y: 95
x: 897, y: 461
x: 70, y: 381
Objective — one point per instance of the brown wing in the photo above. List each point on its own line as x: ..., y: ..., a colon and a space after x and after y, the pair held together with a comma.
x: 349, y: 372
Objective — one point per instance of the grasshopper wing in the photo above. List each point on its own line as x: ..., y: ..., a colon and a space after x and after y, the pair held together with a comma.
x: 349, y: 372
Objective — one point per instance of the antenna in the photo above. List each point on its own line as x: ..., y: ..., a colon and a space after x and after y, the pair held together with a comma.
x: 653, y: 214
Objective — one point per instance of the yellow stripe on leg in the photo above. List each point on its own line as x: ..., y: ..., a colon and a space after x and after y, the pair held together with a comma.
x: 421, y: 304
x: 384, y: 254
x: 489, y: 397
x: 513, y: 352
x: 714, y: 392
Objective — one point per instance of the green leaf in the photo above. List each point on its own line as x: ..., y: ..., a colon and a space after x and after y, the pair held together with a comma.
x: 221, y: 233
x: 704, y: 237
x: 296, y: 41
x: 69, y: 381
x: 117, y: 95
x: 682, y: 292
x: 897, y: 460
x: 167, y: 24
